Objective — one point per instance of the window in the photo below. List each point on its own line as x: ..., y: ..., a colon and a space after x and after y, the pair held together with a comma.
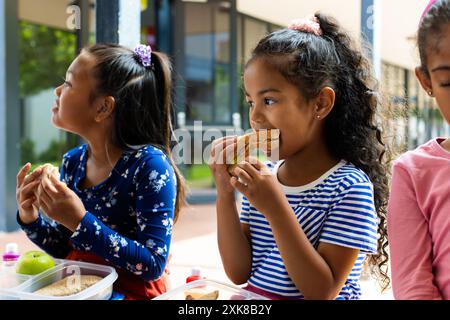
x: 254, y: 30
x: 250, y: 31
x: 415, y: 118
x: 148, y: 23
x: 207, y: 65
x: 46, y: 49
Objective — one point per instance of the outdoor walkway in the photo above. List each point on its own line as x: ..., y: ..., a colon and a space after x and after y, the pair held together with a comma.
x: 194, y: 245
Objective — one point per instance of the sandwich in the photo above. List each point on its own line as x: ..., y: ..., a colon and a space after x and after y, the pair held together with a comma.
x: 49, y: 170
x: 266, y: 140
x: 198, y: 295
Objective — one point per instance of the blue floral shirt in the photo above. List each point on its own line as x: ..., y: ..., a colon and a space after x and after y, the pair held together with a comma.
x: 129, y: 216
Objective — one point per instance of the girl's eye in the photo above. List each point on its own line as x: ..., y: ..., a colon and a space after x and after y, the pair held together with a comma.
x: 269, y: 101
x: 66, y: 83
x: 250, y: 104
x: 445, y: 85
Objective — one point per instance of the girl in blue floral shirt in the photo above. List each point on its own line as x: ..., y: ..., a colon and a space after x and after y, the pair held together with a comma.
x: 119, y: 193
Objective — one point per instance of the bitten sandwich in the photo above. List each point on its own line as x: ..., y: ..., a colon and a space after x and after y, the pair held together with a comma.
x: 48, y: 170
x: 266, y: 140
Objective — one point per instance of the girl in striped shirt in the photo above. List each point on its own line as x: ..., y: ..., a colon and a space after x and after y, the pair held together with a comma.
x: 306, y: 229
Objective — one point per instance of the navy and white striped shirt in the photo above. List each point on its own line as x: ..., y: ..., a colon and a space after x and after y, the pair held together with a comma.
x: 337, y: 208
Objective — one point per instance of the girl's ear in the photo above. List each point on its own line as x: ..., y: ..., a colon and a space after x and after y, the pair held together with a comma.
x: 325, y: 102
x: 424, y: 80
x: 105, y: 108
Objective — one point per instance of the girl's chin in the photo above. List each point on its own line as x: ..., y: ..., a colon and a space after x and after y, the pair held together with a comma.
x: 55, y: 121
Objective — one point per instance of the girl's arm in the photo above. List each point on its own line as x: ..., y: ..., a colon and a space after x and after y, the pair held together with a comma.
x: 51, y: 237
x: 155, y: 202
x: 410, y: 243
x: 232, y: 236
x: 233, y: 239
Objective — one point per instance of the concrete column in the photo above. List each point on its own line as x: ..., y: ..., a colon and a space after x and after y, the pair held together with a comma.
x: 107, y: 21
x: 164, y: 26
x: 9, y: 113
x: 371, y: 31
x: 83, y: 32
x: 119, y: 21
x: 130, y: 23
x: 234, y: 87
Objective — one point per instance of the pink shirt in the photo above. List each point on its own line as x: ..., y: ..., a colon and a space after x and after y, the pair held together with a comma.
x: 419, y: 223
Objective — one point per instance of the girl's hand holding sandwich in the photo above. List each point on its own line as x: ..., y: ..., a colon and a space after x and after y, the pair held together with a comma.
x: 60, y: 203
x: 255, y: 181
x: 25, y: 193
x: 42, y: 190
x: 219, y: 164
x: 234, y: 169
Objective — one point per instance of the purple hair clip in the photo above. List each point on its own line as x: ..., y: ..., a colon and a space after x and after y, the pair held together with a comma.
x: 145, y: 54
x: 309, y: 25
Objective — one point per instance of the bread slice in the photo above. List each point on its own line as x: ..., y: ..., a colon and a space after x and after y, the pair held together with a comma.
x: 49, y: 170
x: 69, y: 286
x: 266, y: 140
x: 193, y: 295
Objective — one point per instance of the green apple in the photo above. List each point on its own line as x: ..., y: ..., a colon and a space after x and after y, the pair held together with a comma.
x: 34, y: 262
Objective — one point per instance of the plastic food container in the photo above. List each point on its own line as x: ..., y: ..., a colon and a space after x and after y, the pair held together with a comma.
x: 102, y: 290
x: 205, y: 286
x: 10, y: 280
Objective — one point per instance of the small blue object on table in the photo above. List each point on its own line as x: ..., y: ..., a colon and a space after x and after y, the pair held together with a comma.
x: 117, y: 296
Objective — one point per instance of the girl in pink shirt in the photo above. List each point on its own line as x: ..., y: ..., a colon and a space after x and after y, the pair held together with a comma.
x: 419, y: 206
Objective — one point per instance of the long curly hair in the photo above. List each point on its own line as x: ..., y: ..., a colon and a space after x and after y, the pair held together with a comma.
x: 352, y: 130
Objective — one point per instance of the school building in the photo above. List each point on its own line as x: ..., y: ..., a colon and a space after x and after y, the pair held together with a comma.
x: 208, y: 41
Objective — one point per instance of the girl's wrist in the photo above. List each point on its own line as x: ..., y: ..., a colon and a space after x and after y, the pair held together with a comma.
x: 279, y: 212
x: 73, y: 223
x: 226, y: 196
x: 226, y: 203
x: 222, y: 192
x: 27, y: 219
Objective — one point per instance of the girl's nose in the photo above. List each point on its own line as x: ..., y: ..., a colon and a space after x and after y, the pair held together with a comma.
x: 58, y: 91
x: 256, y: 115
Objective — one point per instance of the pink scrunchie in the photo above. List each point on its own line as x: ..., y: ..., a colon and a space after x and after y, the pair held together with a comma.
x: 432, y: 2
x: 309, y: 25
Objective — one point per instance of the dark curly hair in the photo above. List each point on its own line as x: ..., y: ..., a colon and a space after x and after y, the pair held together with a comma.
x: 351, y: 129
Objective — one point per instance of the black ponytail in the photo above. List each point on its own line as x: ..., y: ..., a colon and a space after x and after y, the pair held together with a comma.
x: 143, y: 97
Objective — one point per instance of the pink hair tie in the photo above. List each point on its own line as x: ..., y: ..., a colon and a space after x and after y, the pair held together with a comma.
x: 432, y: 2
x: 309, y: 25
